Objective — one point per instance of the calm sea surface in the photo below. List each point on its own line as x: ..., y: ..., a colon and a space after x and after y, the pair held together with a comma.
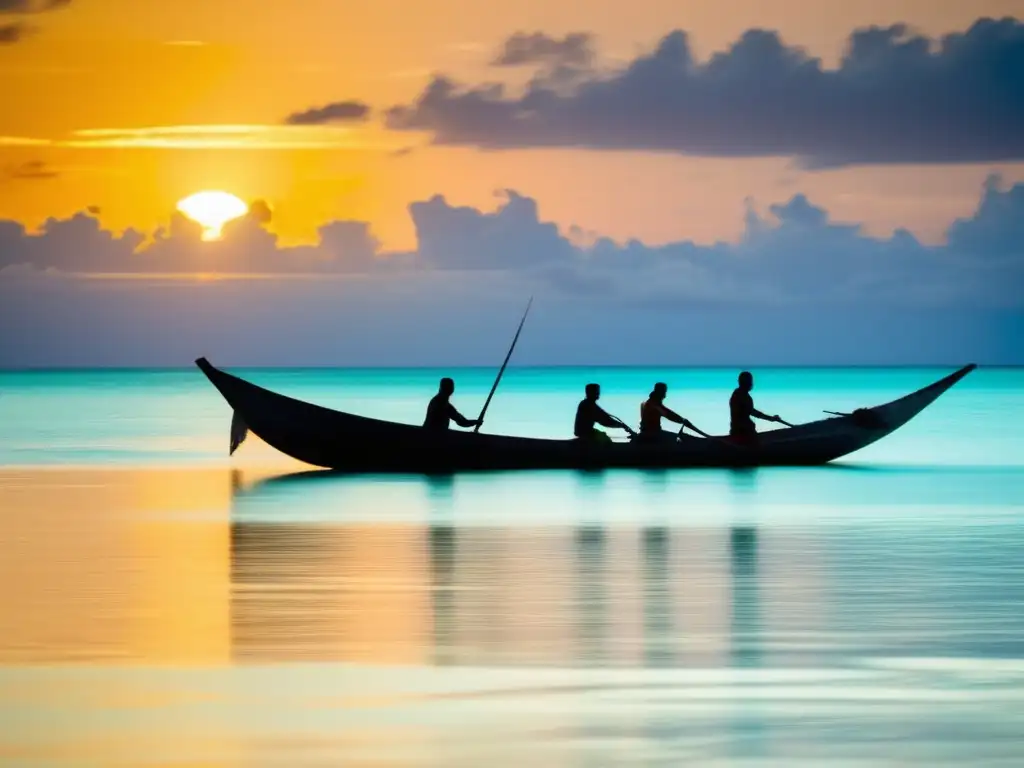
x: 163, y: 604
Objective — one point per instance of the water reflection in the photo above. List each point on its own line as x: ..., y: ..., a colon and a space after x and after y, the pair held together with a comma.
x: 480, y: 626
x: 743, y: 480
x: 659, y: 641
x: 447, y: 595
x: 442, y: 561
x: 745, y: 648
x: 590, y: 600
x: 352, y: 593
x: 440, y: 487
x: 207, y: 566
x: 745, y: 597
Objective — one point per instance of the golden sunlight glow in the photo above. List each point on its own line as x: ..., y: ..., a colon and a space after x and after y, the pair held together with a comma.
x: 212, y: 209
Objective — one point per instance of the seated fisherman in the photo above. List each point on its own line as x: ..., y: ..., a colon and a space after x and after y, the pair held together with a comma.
x: 440, y: 411
x: 589, y: 413
x: 742, y: 411
x: 653, y: 410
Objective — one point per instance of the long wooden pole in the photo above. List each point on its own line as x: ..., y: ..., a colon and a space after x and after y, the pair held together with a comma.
x: 487, y: 402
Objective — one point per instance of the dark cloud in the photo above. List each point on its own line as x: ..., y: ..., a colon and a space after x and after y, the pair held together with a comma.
x: 260, y: 211
x: 896, y: 97
x: 537, y: 48
x: 15, y: 32
x: 794, y: 255
x: 31, y: 6
x: 996, y: 230
x: 32, y: 170
x: 513, y: 237
x: 12, y: 33
x: 79, y: 245
x: 338, y: 111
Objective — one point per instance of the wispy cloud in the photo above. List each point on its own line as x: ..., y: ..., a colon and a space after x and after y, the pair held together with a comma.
x: 15, y: 32
x: 12, y: 33
x: 538, y: 48
x: 23, y: 141
x: 32, y: 6
x: 226, y: 136
x: 175, y: 130
x: 33, y: 170
x: 350, y: 111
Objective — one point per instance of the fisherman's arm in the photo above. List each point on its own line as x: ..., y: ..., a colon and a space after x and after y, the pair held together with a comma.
x: 765, y: 416
x: 602, y: 417
x: 459, y: 419
x: 671, y: 415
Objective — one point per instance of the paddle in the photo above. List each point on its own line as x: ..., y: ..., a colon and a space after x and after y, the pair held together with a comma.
x: 700, y: 432
x: 723, y: 440
x: 625, y: 426
x: 487, y: 402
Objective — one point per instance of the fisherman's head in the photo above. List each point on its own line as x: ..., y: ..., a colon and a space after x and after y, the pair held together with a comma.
x: 447, y: 386
x: 660, y: 390
x: 746, y: 381
x: 593, y: 391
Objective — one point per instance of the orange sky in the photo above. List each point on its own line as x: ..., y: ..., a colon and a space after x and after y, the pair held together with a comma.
x: 79, y: 87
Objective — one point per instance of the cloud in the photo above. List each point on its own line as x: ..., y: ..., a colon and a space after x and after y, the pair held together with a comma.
x: 896, y: 97
x: 538, y: 48
x: 338, y: 111
x: 12, y: 33
x: 796, y: 288
x: 795, y: 254
x: 79, y: 245
x: 513, y: 237
x: 23, y: 141
x: 211, y: 136
x: 791, y: 256
x: 260, y: 211
x: 32, y: 170
x: 32, y: 6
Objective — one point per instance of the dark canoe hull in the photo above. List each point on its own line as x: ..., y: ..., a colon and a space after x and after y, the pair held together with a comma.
x: 346, y: 442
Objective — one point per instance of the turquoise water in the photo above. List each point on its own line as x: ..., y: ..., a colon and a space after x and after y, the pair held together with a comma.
x: 164, y: 604
x: 160, y: 417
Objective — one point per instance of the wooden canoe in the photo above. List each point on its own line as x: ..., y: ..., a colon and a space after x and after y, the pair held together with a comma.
x: 347, y: 442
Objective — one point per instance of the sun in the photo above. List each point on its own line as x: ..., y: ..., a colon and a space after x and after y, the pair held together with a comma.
x: 212, y: 210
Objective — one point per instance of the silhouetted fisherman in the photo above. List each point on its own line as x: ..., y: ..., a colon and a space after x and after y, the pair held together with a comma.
x: 440, y: 411
x: 653, y: 410
x: 589, y: 413
x: 741, y: 409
